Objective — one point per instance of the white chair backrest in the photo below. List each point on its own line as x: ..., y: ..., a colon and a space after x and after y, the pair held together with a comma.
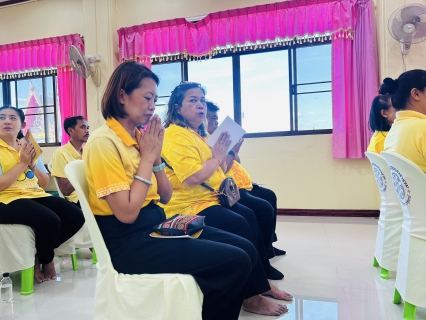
x: 49, y: 166
x: 76, y: 175
x: 410, y: 185
x: 384, y: 179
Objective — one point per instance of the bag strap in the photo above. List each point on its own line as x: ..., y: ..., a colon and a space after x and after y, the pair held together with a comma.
x: 203, y: 184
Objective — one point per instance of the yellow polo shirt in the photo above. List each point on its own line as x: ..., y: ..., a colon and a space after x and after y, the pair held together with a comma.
x: 186, y: 151
x: 377, y: 142
x: 240, y: 176
x: 26, y: 186
x: 111, y: 158
x: 408, y: 137
x: 60, y: 159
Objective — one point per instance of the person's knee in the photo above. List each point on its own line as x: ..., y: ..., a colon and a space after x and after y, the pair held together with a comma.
x: 244, y: 260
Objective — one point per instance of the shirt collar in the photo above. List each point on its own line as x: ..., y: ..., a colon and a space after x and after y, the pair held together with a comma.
x: 409, y: 114
x: 4, y: 144
x: 74, y: 150
x: 123, y: 134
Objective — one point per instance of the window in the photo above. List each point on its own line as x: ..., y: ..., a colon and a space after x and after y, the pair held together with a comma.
x: 37, y: 96
x: 269, y: 92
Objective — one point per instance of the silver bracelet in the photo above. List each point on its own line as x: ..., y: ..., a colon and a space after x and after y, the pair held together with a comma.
x: 143, y: 180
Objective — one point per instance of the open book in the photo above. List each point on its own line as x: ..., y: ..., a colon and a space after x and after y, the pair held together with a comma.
x: 29, y: 137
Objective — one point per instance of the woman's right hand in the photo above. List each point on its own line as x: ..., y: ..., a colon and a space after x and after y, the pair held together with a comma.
x: 220, y: 149
x: 27, y: 153
x: 151, y: 141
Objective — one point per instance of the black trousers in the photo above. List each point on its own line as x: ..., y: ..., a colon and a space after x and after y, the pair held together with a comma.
x: 220, y: 262
x: 241, y: 221
x: 53, y: 219
x: 271, y: 197
x: 265, y: 214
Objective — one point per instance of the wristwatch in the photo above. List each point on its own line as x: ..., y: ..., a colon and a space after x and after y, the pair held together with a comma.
x: 231, y: 153
x: 160, y: 167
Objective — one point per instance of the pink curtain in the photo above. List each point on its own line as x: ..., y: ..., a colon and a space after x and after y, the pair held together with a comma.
x: 354, y: 60
x: 72, y: 96
x: 45, y: 54
x: 270, y: 24
x: 355, y: 84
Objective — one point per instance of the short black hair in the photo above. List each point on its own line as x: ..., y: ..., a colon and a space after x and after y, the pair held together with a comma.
x: 71, y: 122
x: 377, y: 122
x: 212, y: 107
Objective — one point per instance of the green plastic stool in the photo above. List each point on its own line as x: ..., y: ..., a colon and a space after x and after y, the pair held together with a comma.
x: 74, y: 261
x: 27, y: 281
x: 409, y: 309
x: 384, y: 273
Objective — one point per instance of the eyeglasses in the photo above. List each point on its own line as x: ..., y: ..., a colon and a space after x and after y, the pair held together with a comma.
x: 183, y: 83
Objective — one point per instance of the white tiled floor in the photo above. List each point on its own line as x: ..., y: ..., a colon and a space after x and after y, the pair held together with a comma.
x: 328, y: 269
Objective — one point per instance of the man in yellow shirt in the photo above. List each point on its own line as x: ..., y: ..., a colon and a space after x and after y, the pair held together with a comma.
x: 78, y: 130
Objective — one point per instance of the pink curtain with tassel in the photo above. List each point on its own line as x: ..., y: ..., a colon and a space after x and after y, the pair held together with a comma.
x: 355, y: 84
x: 48, y: 53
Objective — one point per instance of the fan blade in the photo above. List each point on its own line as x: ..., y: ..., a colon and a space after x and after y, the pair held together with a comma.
x: 398, y: 32
x: 409, y: 13
x: 420, y: 32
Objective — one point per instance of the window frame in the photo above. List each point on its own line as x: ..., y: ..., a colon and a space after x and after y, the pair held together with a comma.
x: 7, y: 100
x: 236, y: 75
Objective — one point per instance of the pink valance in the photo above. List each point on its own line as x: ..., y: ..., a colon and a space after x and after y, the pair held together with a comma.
x: 37, y: 54
x: 259, y: 26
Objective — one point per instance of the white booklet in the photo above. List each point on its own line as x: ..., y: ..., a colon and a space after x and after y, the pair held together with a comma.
x: 234, y: 129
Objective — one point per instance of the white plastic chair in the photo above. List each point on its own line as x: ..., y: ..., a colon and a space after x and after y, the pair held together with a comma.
x: 410, y: 185
x: 80, y: 240
x: 144, y: 296
x: 390, y: 220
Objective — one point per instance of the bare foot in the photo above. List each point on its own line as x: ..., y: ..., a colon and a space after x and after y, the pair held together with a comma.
x: 38, y: 275
x: 264, y: 306
x: 277, y: 293
x: 49, y: 271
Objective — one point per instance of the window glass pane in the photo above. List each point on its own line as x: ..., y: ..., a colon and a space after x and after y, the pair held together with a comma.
x: 313, y: 63
x: 265, y: 102
x: 170, y: 76
x: 216, y: 76
x: 1, y: 93
x: 48, y: 82
x: 314, y: 111
x: 314, y: 87
x: 58, y: 113
x: 13, y: 93
x: 36, y: 124
x: 30, y: 93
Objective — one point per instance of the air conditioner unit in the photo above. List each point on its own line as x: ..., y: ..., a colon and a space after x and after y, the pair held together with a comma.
x: 9, y: 3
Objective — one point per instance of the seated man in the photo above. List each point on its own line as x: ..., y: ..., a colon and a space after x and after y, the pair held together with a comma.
x: 261, y: 200
x: 78, y: 130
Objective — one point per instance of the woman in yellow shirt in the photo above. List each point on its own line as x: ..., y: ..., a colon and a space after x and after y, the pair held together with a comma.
x: 382, y: 116
x: 408, y: 133
x: 23, y: 201
x: 190, y: 161
x: 126, y: 181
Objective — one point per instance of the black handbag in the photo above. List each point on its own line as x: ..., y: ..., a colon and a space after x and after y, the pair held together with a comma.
x: 228, y: 192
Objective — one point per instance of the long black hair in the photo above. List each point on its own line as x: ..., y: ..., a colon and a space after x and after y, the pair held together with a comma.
x: 176, y: 99
x: 21, y: 115
x: 400, y: 89
x: 377, y: 122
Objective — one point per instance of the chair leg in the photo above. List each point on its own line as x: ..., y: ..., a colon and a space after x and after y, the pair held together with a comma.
x: 396, y: 297
x: 375, y: 263
x: 94, y: 256
x: 74, y: 261
x: 384, y: 273
x: 27, y: 281
x: 409, y: 311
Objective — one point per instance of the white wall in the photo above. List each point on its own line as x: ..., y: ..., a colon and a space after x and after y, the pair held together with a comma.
x: 299, y: 169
